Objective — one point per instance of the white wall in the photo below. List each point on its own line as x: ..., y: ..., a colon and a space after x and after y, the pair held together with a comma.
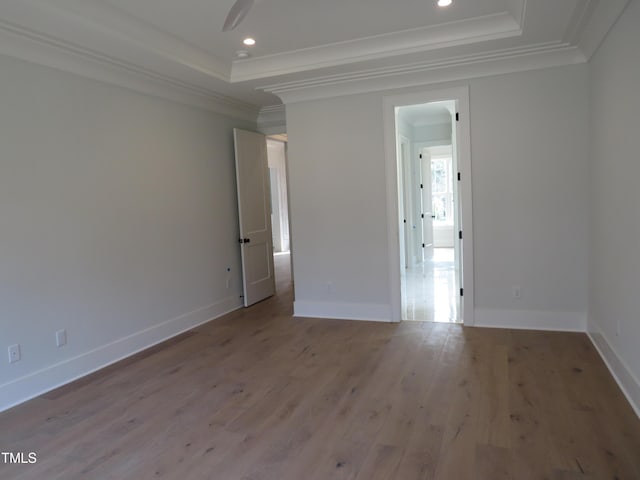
x: 338, y: 204
x: 118, y: 217
x: 529, y: 135
x: 529, y: 161
x: 614, y: 307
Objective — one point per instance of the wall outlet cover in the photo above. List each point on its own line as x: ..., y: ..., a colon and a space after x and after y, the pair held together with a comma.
x: 14, y: 353
x: 61, y: 338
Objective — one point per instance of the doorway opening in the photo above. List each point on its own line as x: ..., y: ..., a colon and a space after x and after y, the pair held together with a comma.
x: 427, y: 204
x: 429, y: 196
x: 277, y: 163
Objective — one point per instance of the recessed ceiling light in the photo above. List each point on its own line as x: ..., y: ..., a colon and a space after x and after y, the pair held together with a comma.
x: 242, y: 54
x: 249, y: 42
x: 444, y: 3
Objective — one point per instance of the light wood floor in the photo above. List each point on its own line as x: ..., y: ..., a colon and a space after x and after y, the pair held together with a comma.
x: 259, y: 395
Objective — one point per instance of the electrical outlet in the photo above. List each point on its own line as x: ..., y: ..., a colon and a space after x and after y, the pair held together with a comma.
x: 61, y: 337
x: 14, y: 353
x: 515, y: 290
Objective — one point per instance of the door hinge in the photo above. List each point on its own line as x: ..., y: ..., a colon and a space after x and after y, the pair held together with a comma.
x: 460, y: 234
x: 459, y: 176
x: 422, y: 215
x: 421, y: 185
x: 457, y: 117
x: 423, y: 245
x: 420, y: 155
x: 462, y: 292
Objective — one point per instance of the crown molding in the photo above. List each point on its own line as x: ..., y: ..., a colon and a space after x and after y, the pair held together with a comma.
x: 411, y: 75
x: 97, y: 40
x: 586, y: 30
x: 478, y: 29
x: 94, y: 24
x: 273, y: 109
x: 604, y: 14
x: 578, y: 21
x: 25, y: 44
x: 518, y: 9
x: 272, y: 119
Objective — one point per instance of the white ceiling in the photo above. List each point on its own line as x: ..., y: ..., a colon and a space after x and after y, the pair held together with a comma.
x: 302, y: 44
x: 285, y: 25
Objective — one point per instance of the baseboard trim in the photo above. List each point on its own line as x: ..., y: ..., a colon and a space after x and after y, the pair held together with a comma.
x: 343, y: 311
x: 622, y: 374
x: 37, y: 383
x: 531, y: 320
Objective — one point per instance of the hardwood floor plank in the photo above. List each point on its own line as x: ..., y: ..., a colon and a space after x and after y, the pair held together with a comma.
x: 493, y: 463
x: 457, y: 454
x: 381, y: 463
x: 531, y: 429
x: 260, y: 395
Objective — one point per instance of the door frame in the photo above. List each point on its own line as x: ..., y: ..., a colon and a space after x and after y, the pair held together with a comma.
x: 460, y: 95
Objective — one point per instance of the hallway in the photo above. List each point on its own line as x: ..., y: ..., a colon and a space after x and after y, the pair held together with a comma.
x: 429, y: 289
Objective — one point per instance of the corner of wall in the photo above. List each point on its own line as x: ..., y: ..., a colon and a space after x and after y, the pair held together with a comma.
x: 620, y: 371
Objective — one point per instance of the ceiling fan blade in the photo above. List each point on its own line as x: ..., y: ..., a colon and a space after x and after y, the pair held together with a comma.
x: 238, y: 11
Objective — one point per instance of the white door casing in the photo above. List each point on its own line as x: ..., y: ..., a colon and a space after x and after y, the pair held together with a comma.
x: 254, y: 211
x: 465, y: 222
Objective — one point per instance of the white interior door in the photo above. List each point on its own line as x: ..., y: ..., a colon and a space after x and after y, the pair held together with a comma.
x: 254, y: 207
x: 427, y: 204
x: 406, y: 201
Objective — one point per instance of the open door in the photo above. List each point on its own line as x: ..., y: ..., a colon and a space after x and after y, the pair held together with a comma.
x: 407, y: 220
x: 427, y: 204
x: 254, y: 208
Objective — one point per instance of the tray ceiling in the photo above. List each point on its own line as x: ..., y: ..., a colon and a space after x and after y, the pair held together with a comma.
x: 300, y: 43
x: 285, y: 25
